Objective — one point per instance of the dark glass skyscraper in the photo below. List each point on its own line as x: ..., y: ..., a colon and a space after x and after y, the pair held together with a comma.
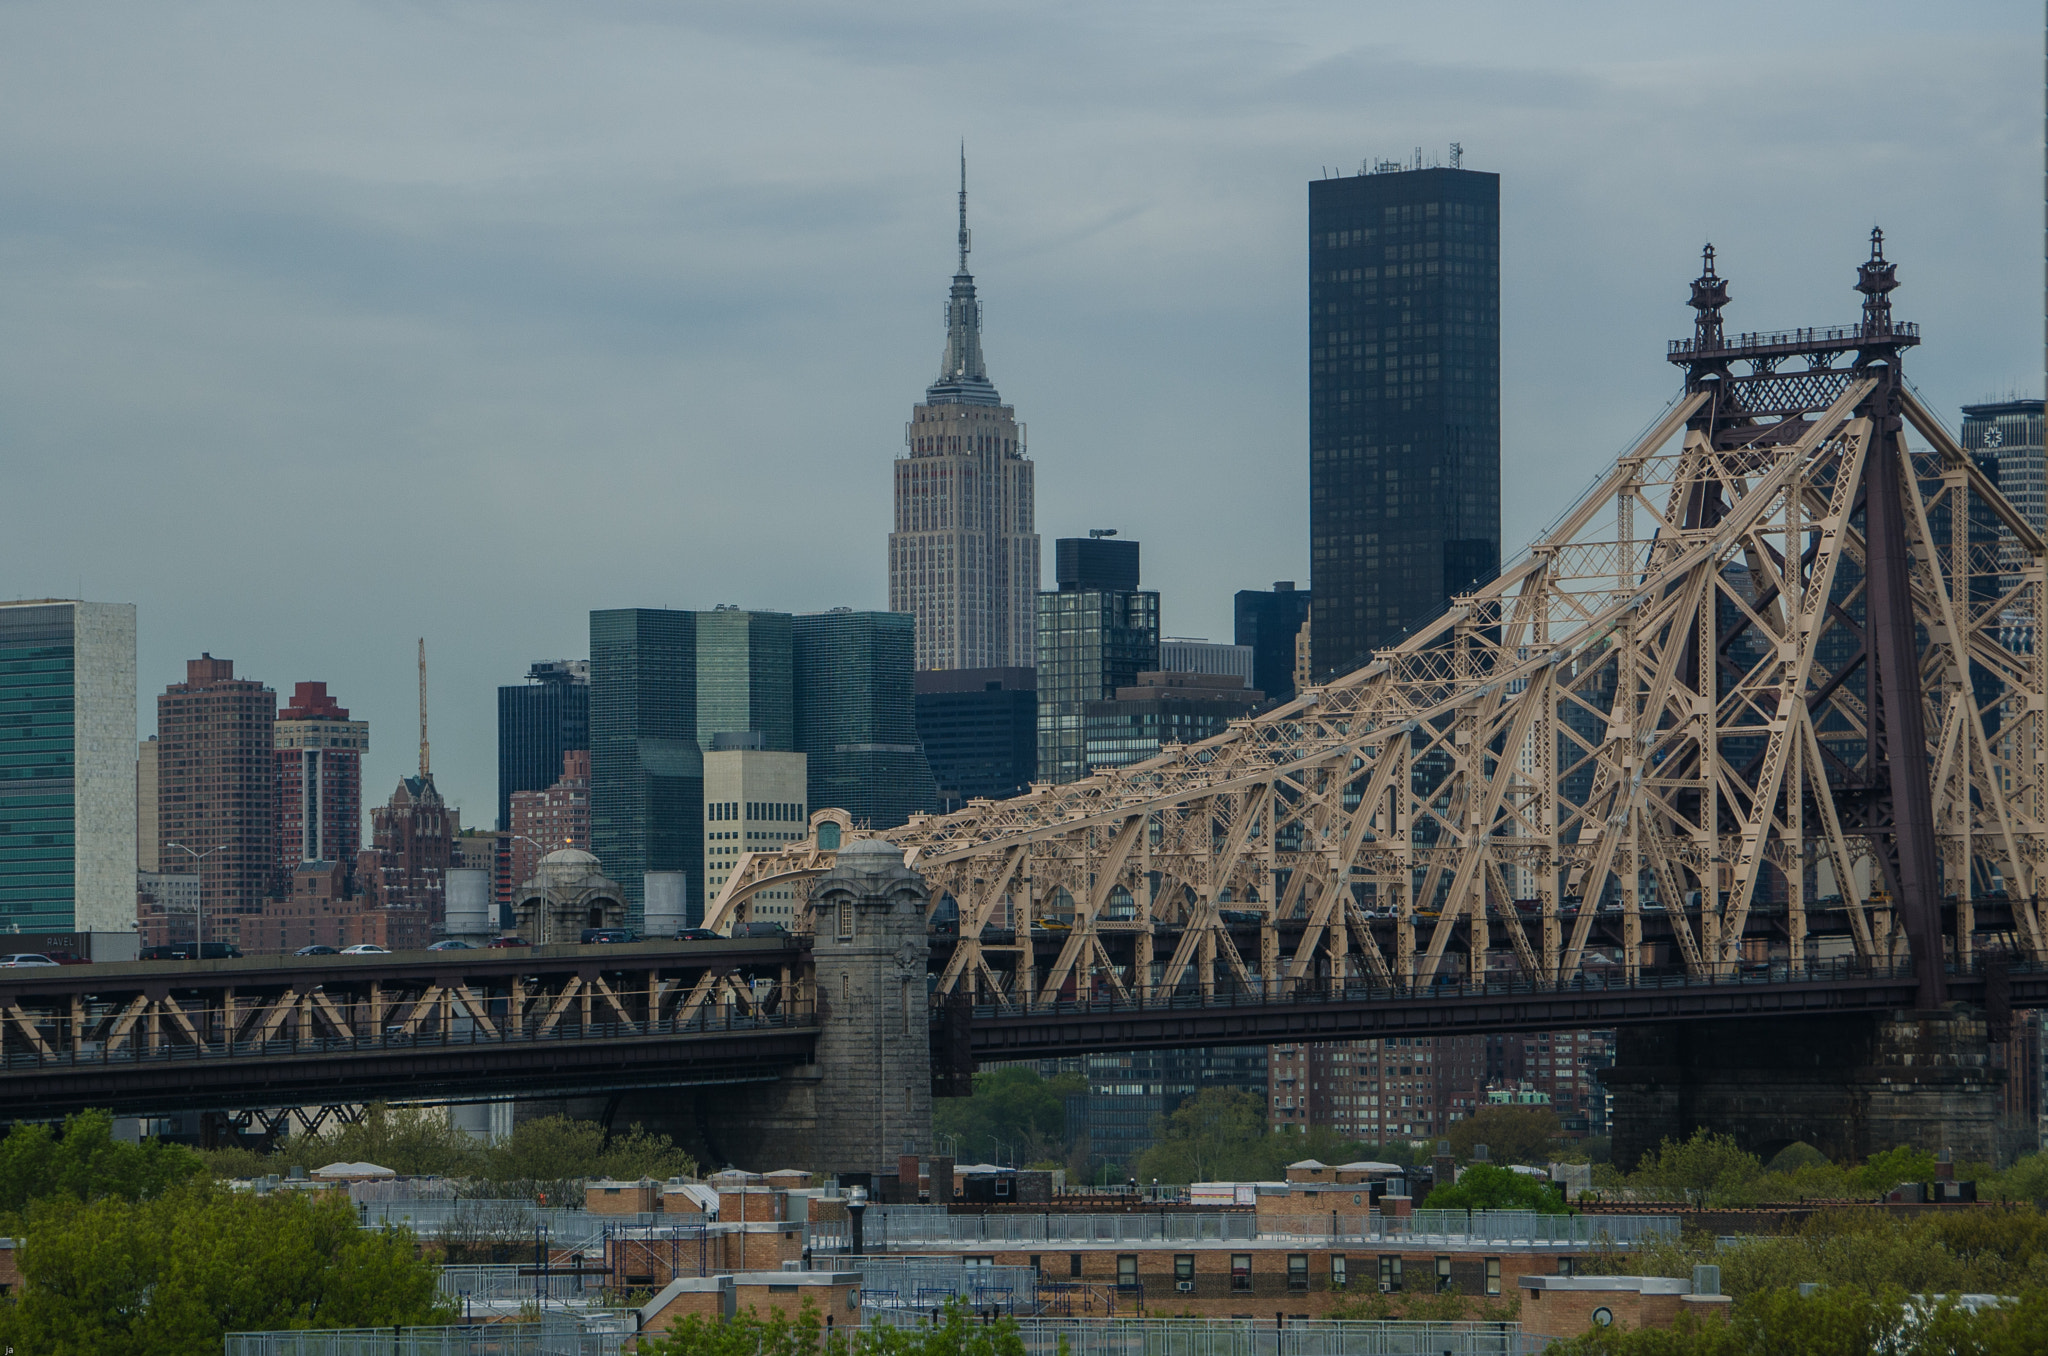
x: 979, y: 728
x: 646, y: 769
x: 856, y: 715
x: 538, y: 721
x: 1269, y: 622
x: 1404, y: 402
x: 744, y: 676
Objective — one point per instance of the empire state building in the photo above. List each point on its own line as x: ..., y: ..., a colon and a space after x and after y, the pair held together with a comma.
x: 964, y: 556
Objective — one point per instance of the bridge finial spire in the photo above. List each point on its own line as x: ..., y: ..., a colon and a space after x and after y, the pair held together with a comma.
x: 1875, y: 279
x: 1709, y: 295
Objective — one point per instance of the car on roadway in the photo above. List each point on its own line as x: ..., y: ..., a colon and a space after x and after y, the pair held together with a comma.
x: 188, y: 951
x: 365, y: 949
x: 697, y: 935
x: 451, y: 944
x: 606, y: 936
x: 496, y: 942
x: 317, y: 949
x: 26, y: 960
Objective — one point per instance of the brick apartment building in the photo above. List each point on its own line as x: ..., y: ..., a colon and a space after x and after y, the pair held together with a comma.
x: 1408, y: 1087
x: 556, y: 817
x: 319, y: 781
x: 412, y: 845
x: 217, y: 789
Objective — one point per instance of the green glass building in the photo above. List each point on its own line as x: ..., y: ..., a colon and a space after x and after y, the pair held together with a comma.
x: 1095, y: 635
x: 67, y: 767
x: 856, y: 715
x: 663, y: 684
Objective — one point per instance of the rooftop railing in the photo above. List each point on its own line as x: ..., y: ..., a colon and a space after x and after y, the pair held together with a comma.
x: 1298, y: 1337
x: 1424, y: 1228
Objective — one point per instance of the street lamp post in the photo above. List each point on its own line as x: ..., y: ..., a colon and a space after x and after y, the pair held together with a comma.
x: 542, y: 920
x: 199, y: 905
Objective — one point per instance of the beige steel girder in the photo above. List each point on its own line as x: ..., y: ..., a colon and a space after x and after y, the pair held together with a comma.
x: 1630, y: 750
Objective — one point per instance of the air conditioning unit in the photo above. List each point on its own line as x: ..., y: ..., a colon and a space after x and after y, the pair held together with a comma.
x: 1185, y: 1287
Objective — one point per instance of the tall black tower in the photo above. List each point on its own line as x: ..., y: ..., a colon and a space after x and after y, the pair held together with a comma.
x: 1404, y: 402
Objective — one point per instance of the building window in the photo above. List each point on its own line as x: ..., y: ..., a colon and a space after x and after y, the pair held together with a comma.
x: 845, y: 920
x: 1493, y: 1275
x: 1390, y: 1272
x: 1074, y: 1264
x: 1184, y: 1267
x: 1037, y: 1263
x: 1127, y: 1269
x: 1443, y: 1274
x: 1240, y: 1271
x: 1297, y: 1271
x: 1337, y: 1271
x: 1565, y: 1267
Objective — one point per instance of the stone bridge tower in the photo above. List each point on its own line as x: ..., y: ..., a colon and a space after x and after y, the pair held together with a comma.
x: 868, y: 1095
x: 869, y: 955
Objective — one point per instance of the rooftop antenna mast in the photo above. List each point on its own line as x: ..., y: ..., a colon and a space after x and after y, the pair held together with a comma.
x: 965, y: 239
x: 424, y: 763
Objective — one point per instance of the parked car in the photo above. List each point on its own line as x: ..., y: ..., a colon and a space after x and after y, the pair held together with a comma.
x: 365, y: 949
x: 451, y: 944
x: 603, y: 936
x: 507, y: 941
x: 316, y: 949
x: 25, y: 960
x: 698, y: 935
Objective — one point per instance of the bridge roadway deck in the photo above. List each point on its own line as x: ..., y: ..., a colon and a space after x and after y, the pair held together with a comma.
x: 155, y: 1037
x: 1450, y: 1010
x: 169, y: 1036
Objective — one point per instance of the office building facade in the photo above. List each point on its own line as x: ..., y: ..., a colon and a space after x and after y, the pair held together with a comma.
x: 646, y: 769
x: 2009, y: 433
x: 68, y: 851
x: 412, y: 845
x: 979, y: 728
x: 963, y: 558
x: 1269, y: 623
x: 217, y: 789
x: 856, y: 715
x: 744, y: 677
x: 755, y: 800
x: 538, y: 721
x: 1163, y: 709
x: 1196, y: 654
x: 319, y: 780
x: 145, y: 805
x: 1404, y: 403
x: 1096, y: 633
x: 1129, y: 1091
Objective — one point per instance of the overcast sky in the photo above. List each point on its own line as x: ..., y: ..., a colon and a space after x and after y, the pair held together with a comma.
x: 326, y: 327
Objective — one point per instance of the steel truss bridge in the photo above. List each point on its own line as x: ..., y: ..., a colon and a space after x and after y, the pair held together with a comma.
x: 1770, y: 681
x: 1757, y: 729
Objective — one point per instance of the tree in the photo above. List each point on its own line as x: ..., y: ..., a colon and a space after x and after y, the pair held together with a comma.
x: 784, y: 1334
x: 1216, y: 1135
x: 1013, y: 1114
x: 1511, y: 1134
x: 85, y: 1162
x: 1883, y: 1171
x: 1709, y: 1168
x: 1835, y: 1321
x: 558, y: 1149
x: 1488, y: 1186
x: 411, y: 1141
x: 170, y: 1275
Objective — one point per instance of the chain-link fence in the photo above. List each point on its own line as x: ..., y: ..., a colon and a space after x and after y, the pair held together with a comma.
x: 892, y: 1228
x: 553, y: 1335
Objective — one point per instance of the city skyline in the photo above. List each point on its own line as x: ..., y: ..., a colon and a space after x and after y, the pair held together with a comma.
x: 358, y: 302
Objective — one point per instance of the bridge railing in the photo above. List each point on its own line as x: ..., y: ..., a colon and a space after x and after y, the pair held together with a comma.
x: 465, y: 1032
x: 1424, y: 1228
x: 1362, y: 989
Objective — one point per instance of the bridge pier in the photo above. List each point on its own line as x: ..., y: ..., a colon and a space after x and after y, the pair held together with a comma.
x: 867, y: 1098
x: 1850, y: 1086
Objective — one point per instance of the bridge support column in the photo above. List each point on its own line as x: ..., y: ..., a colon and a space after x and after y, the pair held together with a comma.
x: 1850, y: 1086
x: 867, y: 1098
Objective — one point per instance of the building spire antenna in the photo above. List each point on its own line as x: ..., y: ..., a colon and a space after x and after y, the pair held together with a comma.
x: 965, y: 239
x: 424, y: 761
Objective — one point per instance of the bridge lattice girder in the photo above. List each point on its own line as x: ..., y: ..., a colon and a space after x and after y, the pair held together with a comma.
x: 1665, y: 705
